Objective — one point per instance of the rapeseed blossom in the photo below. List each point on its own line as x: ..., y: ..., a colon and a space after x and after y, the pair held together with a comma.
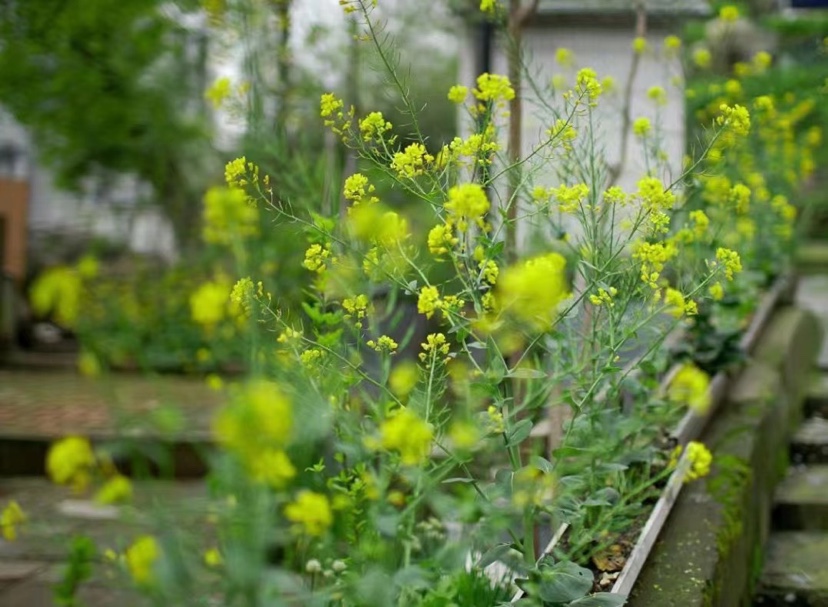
x: 209, y: 303
x: 116, y: 490
x: 311, y: 512
x: 11, y: 517
x: 70, y: 461
x: 641, y: 127
x: 441, y: 239
x: 429, y: 301
x: 373, y: 126
x: 467, y: 202
x: 408, y: 435
x: 458, y: 93
x: 493, y: 88
x: 570, y: 198
x: 699, y: 458
x: 532, y: 290
x: 730, y: 260
x: 435, y: 345
x: 412, y: 161
x: 141, y: 558
x: 691, y: 387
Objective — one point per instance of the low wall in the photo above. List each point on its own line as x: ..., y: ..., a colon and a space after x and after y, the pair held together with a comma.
x: 709, y: 552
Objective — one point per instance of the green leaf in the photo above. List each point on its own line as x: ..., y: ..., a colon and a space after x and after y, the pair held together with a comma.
x: 519, y: 432
x: 564, y: 582
x: 523, y: 373
x: 542, y: 464
x: 494, y: 554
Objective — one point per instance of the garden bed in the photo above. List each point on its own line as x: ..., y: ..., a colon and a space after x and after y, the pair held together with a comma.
x: 636, y: 544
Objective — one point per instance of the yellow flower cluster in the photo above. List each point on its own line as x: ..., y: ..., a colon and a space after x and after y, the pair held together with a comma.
x: 493, y: 88
x: 532, y: 290
x: 434, y: 346
x: 317, y: 258
x: 588, y: 85
x: 373, y: 126
x: 209, y: 303
x: 11, y: 517
x: 141, y: 558
x: 408, y: 435
x: 570, y: 198
x: 256, y: 427
x: 736, y: 118
x: 691, y: 387
x: 412, y: 161
x: 71, y: 461
x: 699, y: 457
x: 228, y: 214
x: 678, y: 305
x: 641, y: 127
x: 311, y: 512
x: 653, y: 257
x: 458, y: 93
x: 657, y: 94
x: 563, y: 131
x: 603, y: 297
x: 467, y: 202
x: 356, y: 307
x: 730, y: 260
x: 441, y: 239
x: 383, y: 344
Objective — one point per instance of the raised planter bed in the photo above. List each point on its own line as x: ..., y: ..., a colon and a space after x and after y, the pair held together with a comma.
x: 759, y: 341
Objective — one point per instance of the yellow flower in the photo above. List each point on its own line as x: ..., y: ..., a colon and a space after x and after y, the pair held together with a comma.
x: 87, y: 267
x: 403, y: 378
x: 587, y: 84
x: 383, y: 344
x: 740, y: 196
x: 228, y: 215
x: 213, y: 558
x: 639, y: 45
x: 488, y: 6
x: 259, y: 416
x: 736, y: 118
x: 441, y: 239
x: 408, y: 435
x: 699, y: 458
x: 678, y: 305
x: 117, y: 490
x: 467, y: 202
x: 428, y: 301
x: 435, y: 344
x: 496, y: 423
x: 330, y: 105
x: 141, y: 557
x: 564, y: 57
x: 357, y: 189
x: 317, y: 258
x: 642, y: 127
x: 730, y: 260
x: 70, y: 462
x: 604, y: 297
x: 11, y: 517
x: 272, y: 467
x: 373, y: 126
x: 208, y: 304
x: 458, y: 93
x: 356, y: 307
x: 657, y: 94
x: 702, y: 58
x: 691, y: 387
x: 311, y: 512
x: 218, y: 92
x: 412, y: 161
x: 672, y: 43
x: 653, y: 257
x: 729, y: 13
x: 493, y: 88
x: 700, y: 223
x: 570, y: 198
x: 57, y: 291
x: 716, y: 291
x: 533, y: 289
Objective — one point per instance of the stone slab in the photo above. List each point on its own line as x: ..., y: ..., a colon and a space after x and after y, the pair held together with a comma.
x: 802, y: 500
x: 816, y: 400
x: 794, y: 572
x: 812, y: 257
x: 810, y: 443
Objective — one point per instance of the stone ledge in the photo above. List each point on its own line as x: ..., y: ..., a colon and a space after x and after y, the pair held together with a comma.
x: 709, y: 553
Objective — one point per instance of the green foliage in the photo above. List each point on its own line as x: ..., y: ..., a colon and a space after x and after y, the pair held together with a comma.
x: 78, y: 569
x: 105, y: 87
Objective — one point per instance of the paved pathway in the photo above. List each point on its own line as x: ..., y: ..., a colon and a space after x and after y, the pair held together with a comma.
x: 49, y: 404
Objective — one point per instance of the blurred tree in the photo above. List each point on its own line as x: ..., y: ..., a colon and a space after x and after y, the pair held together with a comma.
x: 108, y: 87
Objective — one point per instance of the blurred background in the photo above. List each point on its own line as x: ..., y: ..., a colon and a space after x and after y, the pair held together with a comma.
x: 117, y: 117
